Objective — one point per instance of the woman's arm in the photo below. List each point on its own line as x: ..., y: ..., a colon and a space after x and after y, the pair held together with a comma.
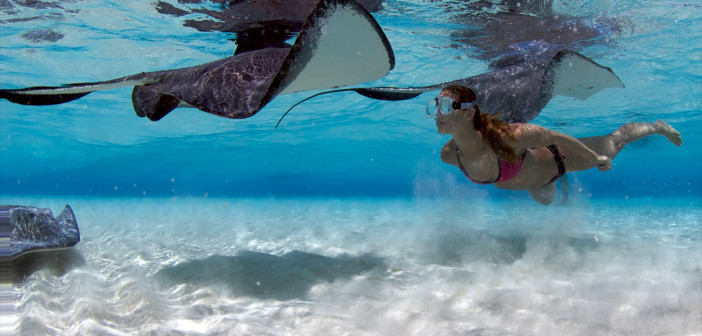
x: 534, y: 136
x: 448, y: 153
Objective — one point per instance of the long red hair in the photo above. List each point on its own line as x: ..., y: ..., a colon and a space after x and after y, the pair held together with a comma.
x: 493, y: 130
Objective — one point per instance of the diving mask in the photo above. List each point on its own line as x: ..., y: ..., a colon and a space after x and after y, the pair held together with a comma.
x: 445, y: 106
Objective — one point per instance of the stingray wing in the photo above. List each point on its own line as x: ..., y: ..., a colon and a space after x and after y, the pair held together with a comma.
x: 33, y: 229
x: 574, y: 75
x: 340, y: 44
x: 530, y: 84
x: 232, y: 87
x: 52, y: 95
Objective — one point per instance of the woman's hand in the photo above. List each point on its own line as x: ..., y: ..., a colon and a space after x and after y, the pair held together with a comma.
x: 604, y: 163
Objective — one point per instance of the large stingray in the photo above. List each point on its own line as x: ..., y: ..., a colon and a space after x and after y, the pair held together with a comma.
x: 31, y: 229
x: 258, y: 24
x: 516, y: 93
x: 530, y: 54
x: 340, y: 44
x: 510, y: 31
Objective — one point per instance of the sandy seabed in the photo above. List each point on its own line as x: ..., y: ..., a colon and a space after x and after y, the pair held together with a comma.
x: 187, y: 266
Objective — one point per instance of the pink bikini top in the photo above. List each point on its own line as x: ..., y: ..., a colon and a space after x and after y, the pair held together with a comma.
x: 507, y: 170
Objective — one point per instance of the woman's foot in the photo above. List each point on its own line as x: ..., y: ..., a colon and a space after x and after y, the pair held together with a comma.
x: 669, y: 132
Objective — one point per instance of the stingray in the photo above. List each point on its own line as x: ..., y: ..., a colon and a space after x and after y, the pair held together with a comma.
x: 34, y: 229
x: 512, y: 31
x: 515, y: 93
x: 340, y: 44
x: 258, y: 24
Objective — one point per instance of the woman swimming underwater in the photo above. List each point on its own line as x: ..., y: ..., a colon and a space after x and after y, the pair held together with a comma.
x: 524, y: 156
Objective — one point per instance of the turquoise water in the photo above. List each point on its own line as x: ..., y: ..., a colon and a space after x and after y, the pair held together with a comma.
x: 344, y: 219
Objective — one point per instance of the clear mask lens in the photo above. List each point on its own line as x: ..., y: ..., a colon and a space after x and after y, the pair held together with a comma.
x: 431, y: 108
x: 444, y: 106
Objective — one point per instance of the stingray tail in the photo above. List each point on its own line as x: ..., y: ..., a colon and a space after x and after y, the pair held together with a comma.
x: 379, y: 93
x: 306, y: 99
x: 52, y: 95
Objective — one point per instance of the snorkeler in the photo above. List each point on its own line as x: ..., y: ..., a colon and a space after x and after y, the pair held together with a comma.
x: 518, y: 156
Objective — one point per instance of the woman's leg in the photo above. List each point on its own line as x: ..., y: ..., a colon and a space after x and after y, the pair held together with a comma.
x: 611, y: 144
x: 545, y: 194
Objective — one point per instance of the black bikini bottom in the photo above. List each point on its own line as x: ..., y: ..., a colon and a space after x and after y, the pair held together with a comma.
x: 559, y: 162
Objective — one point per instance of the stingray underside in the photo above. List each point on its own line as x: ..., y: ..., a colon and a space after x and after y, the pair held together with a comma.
x: 339, y: 45
x: 574, y: 75
x: 35, y: 229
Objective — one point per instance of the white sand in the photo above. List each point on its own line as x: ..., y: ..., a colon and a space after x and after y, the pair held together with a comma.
x: 376, y: 267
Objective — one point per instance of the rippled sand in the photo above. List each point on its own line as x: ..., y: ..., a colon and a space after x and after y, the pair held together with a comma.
x: 375, y: 267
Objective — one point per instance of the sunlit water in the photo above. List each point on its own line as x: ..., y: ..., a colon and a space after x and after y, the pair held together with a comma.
x: 344, y: 220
